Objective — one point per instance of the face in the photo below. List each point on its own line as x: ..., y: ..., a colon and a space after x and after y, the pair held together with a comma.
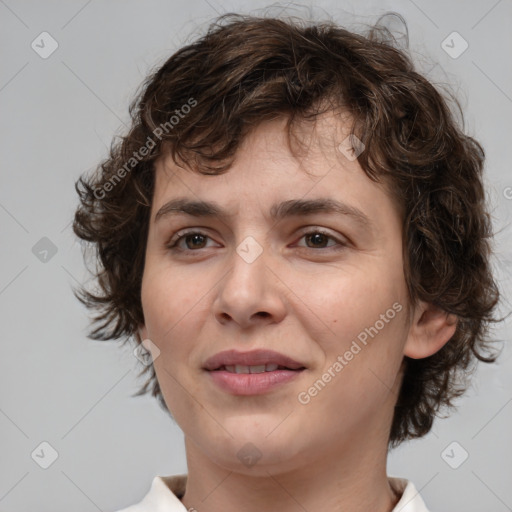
x: 324, y: 288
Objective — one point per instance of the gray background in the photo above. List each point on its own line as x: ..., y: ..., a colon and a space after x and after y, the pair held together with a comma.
x: 58, y: 117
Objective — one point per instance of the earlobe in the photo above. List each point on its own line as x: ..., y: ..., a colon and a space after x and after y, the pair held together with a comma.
x: 430, y: 330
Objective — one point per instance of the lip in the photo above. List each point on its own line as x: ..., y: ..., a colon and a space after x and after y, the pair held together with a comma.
x: 251, y: 383
x: 251, y: 358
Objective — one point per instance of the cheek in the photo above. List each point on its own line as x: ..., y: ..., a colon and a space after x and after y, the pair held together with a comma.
x: 358, y: 314
x: 168, y: 296
x: 171, y: 306
x: 346, y: 302
x: 176, y: 309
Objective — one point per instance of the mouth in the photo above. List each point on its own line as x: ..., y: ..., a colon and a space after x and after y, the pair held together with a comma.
x: 252, y: 373
x: 254, y: 361
x: 253, y: 380
x: 238, y: 368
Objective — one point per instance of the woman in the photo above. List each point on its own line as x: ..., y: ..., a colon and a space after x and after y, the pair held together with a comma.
x: 295, y: 229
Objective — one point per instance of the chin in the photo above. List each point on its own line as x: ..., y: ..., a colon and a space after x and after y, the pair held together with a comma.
x: 256, y: 450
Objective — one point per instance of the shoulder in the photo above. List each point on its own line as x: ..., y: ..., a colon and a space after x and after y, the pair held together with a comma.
x: 163, y: 496
x: 411, y: 500
x: 166, y: 491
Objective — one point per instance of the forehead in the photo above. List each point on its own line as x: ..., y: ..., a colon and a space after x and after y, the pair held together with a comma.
x: 269, y: 168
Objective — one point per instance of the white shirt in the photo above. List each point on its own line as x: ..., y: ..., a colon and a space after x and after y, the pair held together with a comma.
x: 166, y: 491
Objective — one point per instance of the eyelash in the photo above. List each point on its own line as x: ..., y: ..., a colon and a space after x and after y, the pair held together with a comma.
x: 172, y: 244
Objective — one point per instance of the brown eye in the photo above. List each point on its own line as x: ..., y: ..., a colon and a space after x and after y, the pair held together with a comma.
x: 317, y: 239
x: 195, y: 241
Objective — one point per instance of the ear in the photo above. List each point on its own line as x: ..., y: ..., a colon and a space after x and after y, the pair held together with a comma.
x: 430, y: 330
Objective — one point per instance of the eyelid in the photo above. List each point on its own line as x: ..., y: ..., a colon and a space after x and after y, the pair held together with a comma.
x: 182, y: 233
x: 312, y: 229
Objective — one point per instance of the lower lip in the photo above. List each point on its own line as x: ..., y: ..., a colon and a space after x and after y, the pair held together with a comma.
x: 252, y: 383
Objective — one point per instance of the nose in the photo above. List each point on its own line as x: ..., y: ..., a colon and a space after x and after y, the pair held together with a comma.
x: 250, y: 293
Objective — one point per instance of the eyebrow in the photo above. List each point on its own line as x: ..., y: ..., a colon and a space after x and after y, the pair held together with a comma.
x: 290, y: 208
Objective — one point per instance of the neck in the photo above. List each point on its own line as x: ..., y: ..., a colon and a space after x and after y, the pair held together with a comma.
x: 347, y: 479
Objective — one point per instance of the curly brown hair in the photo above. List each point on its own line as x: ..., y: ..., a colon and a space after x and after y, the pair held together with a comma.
x: 202, y: 102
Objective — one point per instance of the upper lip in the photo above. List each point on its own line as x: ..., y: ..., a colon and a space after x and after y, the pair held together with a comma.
x: 252, y: 358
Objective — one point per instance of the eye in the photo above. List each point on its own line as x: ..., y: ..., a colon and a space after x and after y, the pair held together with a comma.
x: 319, y: 238
x: 193, y: 240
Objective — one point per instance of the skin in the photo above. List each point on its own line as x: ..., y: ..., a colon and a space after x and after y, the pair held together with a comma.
x: 300, y: 297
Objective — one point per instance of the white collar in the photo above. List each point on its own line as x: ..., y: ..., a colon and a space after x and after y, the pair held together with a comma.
x: 166, y: 491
